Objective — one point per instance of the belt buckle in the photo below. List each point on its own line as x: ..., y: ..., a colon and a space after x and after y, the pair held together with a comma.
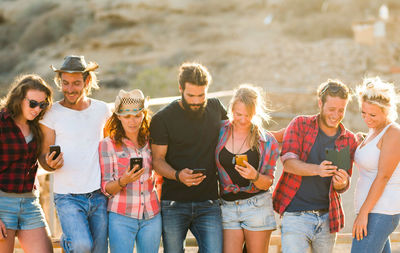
x: 319, y: 212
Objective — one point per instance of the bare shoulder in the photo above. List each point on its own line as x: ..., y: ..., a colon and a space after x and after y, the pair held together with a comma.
x: 392, y: 135
x: 393, y: 131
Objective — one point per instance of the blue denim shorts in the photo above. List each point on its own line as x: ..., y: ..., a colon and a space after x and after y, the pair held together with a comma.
x: 21, y: 213
x: 254, y: 214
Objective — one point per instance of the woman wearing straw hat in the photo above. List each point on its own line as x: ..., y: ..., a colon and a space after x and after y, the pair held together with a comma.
x: 133, y: 205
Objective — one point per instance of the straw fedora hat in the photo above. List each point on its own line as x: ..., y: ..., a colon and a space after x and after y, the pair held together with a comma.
x: 75, y: 64
x: 132, y: 102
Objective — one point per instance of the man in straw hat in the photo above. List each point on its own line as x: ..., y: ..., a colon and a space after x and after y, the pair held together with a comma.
x: 75, y: 124
x: 184, y: 136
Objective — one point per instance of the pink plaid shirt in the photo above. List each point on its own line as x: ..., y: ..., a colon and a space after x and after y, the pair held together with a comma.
x: 138, y: 199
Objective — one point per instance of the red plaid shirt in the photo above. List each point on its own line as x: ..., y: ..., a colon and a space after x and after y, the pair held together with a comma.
x: 18, y: 160
x: 298, y: 140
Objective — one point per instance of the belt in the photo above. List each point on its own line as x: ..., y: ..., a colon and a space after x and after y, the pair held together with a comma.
x: 318, y: 212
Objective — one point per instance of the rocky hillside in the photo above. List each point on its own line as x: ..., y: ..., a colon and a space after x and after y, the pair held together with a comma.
x: 139, y: 43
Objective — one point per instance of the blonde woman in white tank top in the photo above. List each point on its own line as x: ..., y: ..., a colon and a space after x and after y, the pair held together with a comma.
x: 377, y: 196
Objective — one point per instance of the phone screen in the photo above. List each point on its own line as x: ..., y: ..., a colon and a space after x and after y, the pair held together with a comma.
x: 199, y: 170
x: 136, y: 161
x: 55, y: 148
x: 239, y: 160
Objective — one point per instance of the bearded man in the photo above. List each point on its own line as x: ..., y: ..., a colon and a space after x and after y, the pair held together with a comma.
x: 184, y: 136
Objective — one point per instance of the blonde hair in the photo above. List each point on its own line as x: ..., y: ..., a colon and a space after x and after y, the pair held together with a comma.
x: 375, y: 91
x: 252, y: 97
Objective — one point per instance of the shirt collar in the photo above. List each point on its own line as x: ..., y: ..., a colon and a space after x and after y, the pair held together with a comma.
x: 262, y: 138
x: 129, y: 143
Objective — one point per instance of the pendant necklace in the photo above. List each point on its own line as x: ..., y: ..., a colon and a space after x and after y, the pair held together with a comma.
x: 233, y: 146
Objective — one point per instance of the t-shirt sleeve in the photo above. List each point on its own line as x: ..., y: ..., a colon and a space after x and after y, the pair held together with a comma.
x: 108, y: 111
x: 222, y: 110
x: 48, y: 119
x: 158, y: 131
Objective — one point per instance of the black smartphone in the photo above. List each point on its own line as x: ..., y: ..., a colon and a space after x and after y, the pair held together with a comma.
x: 199, y: 170
x: 55, y: 148
x: 341, y: 158
x: 136, y: 161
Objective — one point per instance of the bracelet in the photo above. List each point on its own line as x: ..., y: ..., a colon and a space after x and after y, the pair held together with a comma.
x: 255, y: 179
x: 119, y: 183
x: 177, y: 176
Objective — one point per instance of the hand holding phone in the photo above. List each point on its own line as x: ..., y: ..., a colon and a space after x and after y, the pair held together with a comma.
x: 55, y: 148
x: 239, y: 160
x: 199, y: 170
x: 136, y: 161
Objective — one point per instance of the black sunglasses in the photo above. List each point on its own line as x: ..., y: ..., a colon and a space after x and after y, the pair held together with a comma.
x: 33, y: 104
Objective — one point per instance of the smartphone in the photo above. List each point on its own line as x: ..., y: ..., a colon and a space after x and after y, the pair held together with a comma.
x: 199, y: 170
x: 55, y: 148
x: 341, y: 158
x: 136, y: 161
x: 239, y: 160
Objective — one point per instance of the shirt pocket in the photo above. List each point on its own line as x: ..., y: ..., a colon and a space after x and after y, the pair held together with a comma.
x: 122, y: 160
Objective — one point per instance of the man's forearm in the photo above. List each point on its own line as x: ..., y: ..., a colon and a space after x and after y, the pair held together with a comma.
x: 300, y: 168
x: 164, y: 169
x: 43, y: 163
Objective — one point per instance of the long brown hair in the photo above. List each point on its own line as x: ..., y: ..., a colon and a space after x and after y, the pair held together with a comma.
x: 13, y: 101
x: 115, y: 131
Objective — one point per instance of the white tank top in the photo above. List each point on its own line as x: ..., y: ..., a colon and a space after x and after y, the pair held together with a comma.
x: 366, y: 160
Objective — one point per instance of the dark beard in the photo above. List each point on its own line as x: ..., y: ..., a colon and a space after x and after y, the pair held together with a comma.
x: 194, y: 113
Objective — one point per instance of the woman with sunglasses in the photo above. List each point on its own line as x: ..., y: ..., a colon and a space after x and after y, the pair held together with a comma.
x: 20, y: 142
x: 377, y: 158
x: 128, y: 178
x: 246, y: 157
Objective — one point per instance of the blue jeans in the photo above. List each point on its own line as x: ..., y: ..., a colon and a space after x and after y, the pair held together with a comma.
x: 84, y: 222
x: 379, y: 228
x: 302, y: 230
x: 123, y: 231
x: 202, y: 218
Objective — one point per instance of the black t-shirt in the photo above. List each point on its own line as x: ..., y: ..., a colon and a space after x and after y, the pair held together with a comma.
x: 225, y: 158
x: 191, y: 144
x: 313, y: 193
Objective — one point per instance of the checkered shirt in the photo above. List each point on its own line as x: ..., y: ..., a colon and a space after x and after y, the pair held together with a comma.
x: 138, y: 199
x: 18, y: 160
x: 298, y: 140
x: 269, y: 152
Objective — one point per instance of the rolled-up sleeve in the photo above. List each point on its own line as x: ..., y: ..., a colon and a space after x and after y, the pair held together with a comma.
x: 291, y: 145
x: 106, y: 164
x: 270, y: 158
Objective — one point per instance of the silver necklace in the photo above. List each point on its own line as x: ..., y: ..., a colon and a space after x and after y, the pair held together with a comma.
x: 233, y: 146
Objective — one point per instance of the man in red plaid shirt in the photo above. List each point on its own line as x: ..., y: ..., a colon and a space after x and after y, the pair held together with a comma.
x: 307, y: 194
